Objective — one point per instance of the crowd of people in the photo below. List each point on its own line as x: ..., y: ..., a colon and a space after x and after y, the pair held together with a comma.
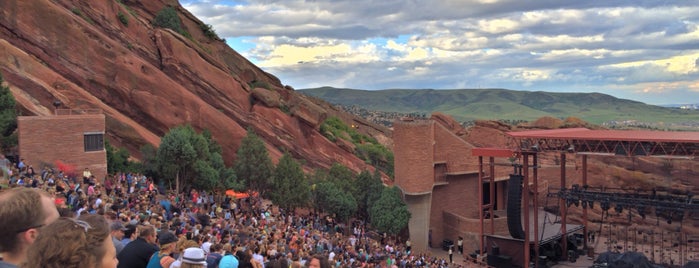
x: 126, y: 220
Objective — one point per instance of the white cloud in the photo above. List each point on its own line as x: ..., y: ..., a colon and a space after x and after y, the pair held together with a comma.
x: 534, y: 45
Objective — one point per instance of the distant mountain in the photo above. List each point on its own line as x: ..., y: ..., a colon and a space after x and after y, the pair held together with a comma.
x: 503, y: 104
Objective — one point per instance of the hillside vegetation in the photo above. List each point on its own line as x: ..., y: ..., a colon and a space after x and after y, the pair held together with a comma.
x: 503, y: 104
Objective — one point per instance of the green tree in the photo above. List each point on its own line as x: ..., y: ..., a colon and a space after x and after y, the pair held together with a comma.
x: 253, y: 165
x: 118, y: 160
x: 389, y: 214
x: 343, y: 177
x: 185, y: 158
x: 149, y: 164
x: 369, y: 188
x: 8, y: 117
x: 290, y: 186
x: 332, y: 199
x: 176, y: 156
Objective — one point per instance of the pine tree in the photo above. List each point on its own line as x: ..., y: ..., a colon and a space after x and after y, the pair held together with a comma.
x: 8, y: 117
x: 253, y: 165
x: 290, y: 186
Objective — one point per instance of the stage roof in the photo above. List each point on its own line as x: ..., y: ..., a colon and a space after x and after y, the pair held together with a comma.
x: 612, y: 142
x: 613, y: 135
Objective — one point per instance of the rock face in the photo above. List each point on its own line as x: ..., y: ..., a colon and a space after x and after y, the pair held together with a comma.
x: 108, y: 55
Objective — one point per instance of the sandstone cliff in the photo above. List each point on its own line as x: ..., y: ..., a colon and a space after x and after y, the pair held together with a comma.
x: 107, y: 55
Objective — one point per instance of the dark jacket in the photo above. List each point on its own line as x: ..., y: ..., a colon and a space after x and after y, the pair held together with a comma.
x: 136, y: 254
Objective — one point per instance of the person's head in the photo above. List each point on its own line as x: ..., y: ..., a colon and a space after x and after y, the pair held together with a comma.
x: 318, y: 261
x: 74, y: 243
x: 167, y: 240
x: 117, y: 230
x: 193, y: 258
x: 23, y: 212
x: 147, y: 232
x: 130, y: 231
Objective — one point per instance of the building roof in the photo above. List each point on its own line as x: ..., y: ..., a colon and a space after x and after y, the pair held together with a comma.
x: 610, y: 135
x: 610, y: 142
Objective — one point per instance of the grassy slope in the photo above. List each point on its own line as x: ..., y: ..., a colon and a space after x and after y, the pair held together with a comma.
x: 469, y: 104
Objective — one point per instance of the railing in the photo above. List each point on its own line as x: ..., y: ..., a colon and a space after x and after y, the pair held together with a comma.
x: 78, y: 111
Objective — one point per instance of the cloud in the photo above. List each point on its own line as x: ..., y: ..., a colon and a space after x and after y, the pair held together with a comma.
x: 620, y: 48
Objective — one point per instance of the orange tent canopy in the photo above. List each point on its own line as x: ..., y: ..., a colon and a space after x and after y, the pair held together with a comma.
x: 238, y: 195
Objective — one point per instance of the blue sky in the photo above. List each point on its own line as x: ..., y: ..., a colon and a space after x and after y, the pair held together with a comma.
x: 641, y: 50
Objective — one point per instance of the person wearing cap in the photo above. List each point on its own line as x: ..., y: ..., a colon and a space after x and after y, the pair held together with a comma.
x: 163, y: 258
x: 117, y: 233
x: 193, y: 258
x: 137, y: 253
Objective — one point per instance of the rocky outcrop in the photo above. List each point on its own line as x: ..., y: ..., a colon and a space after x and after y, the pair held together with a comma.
x: 147, y: 80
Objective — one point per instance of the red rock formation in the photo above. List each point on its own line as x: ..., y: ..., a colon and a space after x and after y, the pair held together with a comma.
x: 148, y: 80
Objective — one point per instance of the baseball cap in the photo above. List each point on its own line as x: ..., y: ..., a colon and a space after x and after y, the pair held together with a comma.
x: 117, y: 226
x: 166, y: 237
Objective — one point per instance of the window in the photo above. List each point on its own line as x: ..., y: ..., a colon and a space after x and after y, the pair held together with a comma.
x: 94, y: 141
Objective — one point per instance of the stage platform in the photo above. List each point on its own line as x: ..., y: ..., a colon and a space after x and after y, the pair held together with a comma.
x: 549, y: 231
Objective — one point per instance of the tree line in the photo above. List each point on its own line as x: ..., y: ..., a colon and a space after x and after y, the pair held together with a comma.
x: 186, y: 159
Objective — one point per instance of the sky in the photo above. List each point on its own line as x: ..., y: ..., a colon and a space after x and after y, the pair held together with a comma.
x: 636, y: 49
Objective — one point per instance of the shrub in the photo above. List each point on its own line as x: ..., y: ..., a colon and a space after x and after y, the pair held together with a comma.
x: 209, y: 31
x: 124, y: 20
x: 168, y: 18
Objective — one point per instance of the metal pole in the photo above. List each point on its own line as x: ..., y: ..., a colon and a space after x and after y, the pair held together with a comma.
x: 480, y: 202
x: 492, y: 195
x: 525, y: 202
x: 564, y: 239
x: 536, y: 209
x: 584, y: 182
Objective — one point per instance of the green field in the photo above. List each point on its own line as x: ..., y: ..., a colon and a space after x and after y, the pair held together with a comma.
x: 503, y: 104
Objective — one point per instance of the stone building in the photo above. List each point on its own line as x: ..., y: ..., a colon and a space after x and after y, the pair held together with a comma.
x: 77, y: 140
x: 438, y: 175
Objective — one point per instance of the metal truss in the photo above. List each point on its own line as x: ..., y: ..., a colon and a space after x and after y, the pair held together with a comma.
x: 607, y: 147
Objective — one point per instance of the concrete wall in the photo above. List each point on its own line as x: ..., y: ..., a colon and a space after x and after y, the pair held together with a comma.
x: 419, y: 224
x: 45, y: 139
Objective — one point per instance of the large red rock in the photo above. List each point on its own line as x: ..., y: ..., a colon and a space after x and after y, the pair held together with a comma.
x: 147, y: 80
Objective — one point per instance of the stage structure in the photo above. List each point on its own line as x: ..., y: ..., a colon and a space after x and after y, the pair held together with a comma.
x: 525, y: 241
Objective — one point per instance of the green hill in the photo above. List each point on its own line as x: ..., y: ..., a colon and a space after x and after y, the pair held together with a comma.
x: 503, y: 104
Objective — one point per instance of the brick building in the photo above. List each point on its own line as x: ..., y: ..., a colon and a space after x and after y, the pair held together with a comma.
x: 439, y: 178
x: 74, y: 139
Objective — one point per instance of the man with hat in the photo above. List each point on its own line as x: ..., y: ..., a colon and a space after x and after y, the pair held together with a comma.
x: 194, y: 256
x: 117, y: 231
x: 162, y: 258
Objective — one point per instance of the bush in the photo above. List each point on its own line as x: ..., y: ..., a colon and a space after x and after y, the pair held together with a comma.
x: 209, y: 31
x: 367, y: 148
x: 168, y: 18
x: 124, y: 20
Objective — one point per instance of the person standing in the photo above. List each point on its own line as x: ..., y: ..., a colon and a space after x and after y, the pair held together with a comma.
x: 460, y: 244
x: 451, y: 254
x: 23, y: 212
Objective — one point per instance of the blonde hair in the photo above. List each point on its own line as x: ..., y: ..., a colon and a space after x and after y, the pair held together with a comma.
x: 70, y: 243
